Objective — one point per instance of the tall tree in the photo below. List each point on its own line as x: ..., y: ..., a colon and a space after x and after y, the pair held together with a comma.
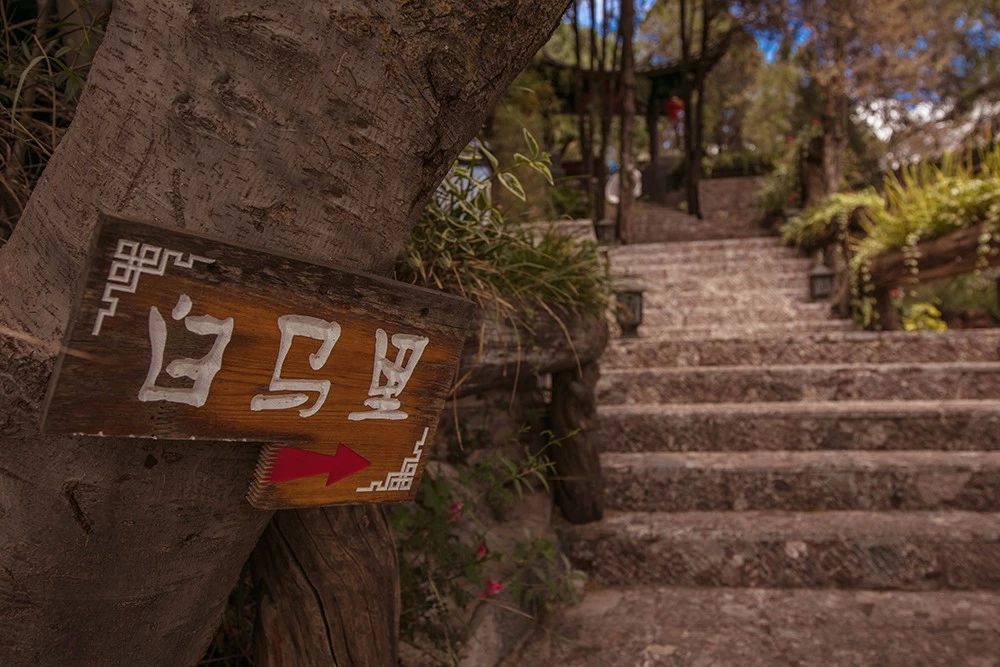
x: 886, y: 57
x: 695, y: 34
x: 317, y: 129
x: 627, y: 159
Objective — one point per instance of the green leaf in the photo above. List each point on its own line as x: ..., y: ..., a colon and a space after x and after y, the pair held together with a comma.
x: 510, y: 181
x: 20, y: 85
x: 532, y: 144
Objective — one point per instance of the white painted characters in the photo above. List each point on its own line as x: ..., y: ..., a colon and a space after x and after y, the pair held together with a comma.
x: 283, y: 393
x: 290, y: 327
x: 202, y: 371
x: 383, y: 401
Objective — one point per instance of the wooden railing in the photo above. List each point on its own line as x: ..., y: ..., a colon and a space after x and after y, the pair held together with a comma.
x: 955, y: 254
x: 567, y: 346
x: 952, y: 255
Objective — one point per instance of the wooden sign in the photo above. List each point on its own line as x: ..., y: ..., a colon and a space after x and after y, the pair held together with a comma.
x: 181, y: 337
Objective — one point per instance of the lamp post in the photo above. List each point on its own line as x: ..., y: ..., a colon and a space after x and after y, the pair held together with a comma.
x: 820, y: 280
x: 628, y: 308
x: 605, y: 231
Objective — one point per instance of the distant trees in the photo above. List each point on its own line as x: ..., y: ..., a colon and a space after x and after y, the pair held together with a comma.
x: 885, y: 57
x: 696, y: 35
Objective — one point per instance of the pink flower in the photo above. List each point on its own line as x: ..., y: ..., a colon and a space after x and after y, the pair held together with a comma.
x: 492, y: 588
x: 456, y: 510
x: 894, y: 293
x: 481, y: 551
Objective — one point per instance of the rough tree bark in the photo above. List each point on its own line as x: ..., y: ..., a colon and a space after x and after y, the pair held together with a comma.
x: 581, y: 117
x: 606, y: 110
x: 656, y: 187
x: 316, y: 128
x: 578, y: 485
x: 627, y: 160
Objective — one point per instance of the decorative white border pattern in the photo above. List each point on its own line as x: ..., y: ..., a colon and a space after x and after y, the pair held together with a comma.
x: 402, y: 480
x: 131, y: 260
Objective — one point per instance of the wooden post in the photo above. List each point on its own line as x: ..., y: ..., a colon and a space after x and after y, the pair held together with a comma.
x: 335, y: 605
x: 578, y: 483
x: 888, y: 316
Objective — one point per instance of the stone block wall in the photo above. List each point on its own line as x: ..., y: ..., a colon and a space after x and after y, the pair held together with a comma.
x: 731, y: 198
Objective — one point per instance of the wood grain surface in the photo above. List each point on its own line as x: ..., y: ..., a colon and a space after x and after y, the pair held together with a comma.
x: 96, y: 387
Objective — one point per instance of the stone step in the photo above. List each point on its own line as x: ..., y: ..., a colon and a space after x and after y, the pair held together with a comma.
x: 668, y: 297
x: 700, y: 315
x: 807, y: 348
x: 801, y: 426
x: 816, y: 382
x: 742, y: 330
x: 659, y: 625
x: 655, y: 269
x: 725, y: 283
x: 745, y: 245
x: 875, y: 550
x: 802, y: 481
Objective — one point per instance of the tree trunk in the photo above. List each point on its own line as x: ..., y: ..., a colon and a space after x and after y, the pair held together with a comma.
x: 834, y: 124
x: 653, y: 130
x: 317, y: 130
x: 698, y: 141
x: 582, y: 112
x: 691, y: 159
x: 578, y: 485
x: 606, y: 110
x: 627, y: 160
x: 344, y: 596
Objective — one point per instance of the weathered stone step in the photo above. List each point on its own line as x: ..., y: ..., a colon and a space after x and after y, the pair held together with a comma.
x: 658, y: 625
x: 802, y: 481
x: 811, y: 348
x: 869, y: 425
x: 817, y: 382
x: 733, y: 283
x: 876, y: 550
x: 699, y: 315
x: 640, y: 269
x: 742, y: 245
x: 742, y: 330
x: 668, y: 297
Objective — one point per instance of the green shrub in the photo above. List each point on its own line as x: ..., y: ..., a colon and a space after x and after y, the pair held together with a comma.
x: 738, y: 163
x: 927, y: 201
x: 446, y: 553
x: 568, y: 201
x: 811, y: 228
x: 922, y: 316
x: 782, y: 186
x: 462, y: 244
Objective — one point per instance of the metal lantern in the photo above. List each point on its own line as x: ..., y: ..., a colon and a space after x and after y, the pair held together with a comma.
x: 820, y: 281
x: 628, y: 309
x: 605, y: 230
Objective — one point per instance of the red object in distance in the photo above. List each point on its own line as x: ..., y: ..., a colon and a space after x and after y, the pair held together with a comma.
x: 291, y: 464
x: 673, y: 107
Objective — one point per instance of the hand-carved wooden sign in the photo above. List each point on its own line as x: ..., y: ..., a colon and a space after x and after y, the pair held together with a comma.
x: 181, y: 337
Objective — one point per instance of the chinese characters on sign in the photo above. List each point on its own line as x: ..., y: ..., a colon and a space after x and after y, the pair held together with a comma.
x: 342, y: 376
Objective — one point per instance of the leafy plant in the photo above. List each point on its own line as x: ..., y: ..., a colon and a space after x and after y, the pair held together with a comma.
x: 927, y: 201
x: 738, y: 163
x: 811, y: 227
x: 44, y: 62
x: 445, y: 555
x: 782, y: 188
x: 923, y: 316
x: 463, y: 244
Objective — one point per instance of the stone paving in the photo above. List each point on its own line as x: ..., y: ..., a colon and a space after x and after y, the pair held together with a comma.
x: 783, y: 489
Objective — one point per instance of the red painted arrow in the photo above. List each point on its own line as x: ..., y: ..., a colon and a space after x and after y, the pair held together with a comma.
x: 291, y: 463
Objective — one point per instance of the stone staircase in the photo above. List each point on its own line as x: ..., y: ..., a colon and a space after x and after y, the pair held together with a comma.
x: 781, y: 488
